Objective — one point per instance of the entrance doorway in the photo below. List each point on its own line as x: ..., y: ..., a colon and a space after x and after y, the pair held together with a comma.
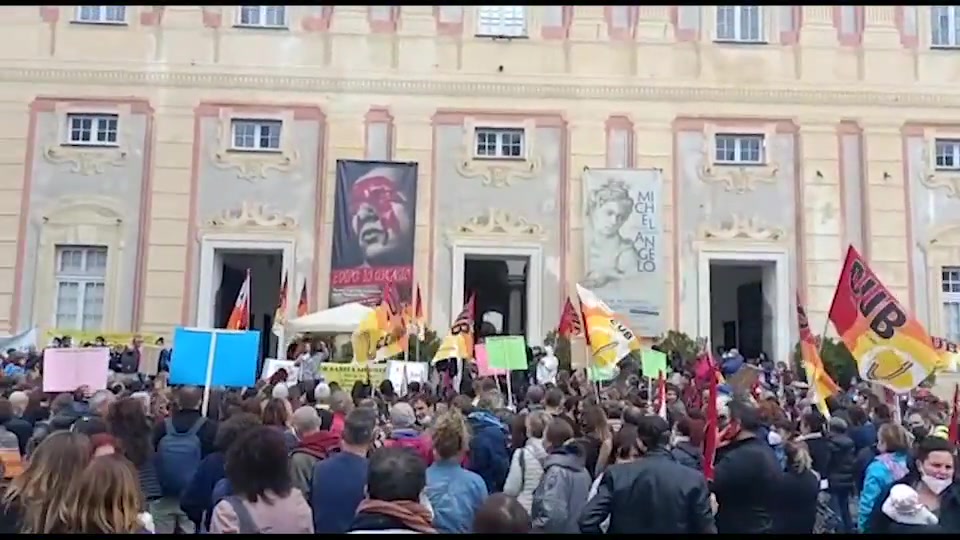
x: 742, y: 310
x: 229, y: 272
x: 500, y: 285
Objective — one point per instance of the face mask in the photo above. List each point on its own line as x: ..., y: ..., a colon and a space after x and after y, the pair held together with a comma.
x: 936, y: 485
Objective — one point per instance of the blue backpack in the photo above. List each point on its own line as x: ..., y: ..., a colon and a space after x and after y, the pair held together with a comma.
x: 179, y: 456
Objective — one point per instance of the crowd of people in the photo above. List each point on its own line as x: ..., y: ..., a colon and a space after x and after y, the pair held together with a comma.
x: 568, y: 457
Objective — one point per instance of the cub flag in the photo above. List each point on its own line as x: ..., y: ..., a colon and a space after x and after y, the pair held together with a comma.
x: 820, y: 381
x: 459, y: 342
x: 608, y: 337
x: 382, y: 334
x: 890, y: 347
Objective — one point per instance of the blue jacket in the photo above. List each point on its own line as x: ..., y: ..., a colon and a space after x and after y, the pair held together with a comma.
x: 729, y: 366
x: 197, y: 501
x: 882, y: 472
x: 864, y: 436
x: 455, y: 495
x: 489, y: 449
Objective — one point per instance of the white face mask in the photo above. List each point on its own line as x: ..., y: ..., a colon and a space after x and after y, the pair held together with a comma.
x: 935, y: 484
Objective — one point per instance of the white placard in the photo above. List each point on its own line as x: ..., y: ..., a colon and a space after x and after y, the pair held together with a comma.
x: 272, y: 365
x: 415, y: 372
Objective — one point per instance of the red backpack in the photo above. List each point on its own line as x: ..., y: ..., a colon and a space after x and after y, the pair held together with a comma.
x: 421, y: 445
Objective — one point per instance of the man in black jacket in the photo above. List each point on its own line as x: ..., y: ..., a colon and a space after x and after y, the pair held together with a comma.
x: 840, y: 479
x: 747, y: 475
x: 654, y: 494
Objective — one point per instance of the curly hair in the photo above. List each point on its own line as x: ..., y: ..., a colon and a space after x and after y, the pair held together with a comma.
x: 451, y: 435
x: 613, y: 190
x: 129, y: 424
x: 257, y: 462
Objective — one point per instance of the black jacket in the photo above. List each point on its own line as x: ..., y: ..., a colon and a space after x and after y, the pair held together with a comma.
x: 689, y: 454
x: 745, y: 480
x: 949, y: 514
x: 654, y: 494
x: 842, y: 475
x: 819, y: 447
x: 797, y: 503
x: 863, y: 460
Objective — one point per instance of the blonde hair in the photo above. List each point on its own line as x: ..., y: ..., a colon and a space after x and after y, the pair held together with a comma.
x: 451, y: 435
x: 895, y: 438
x: 44, y: 484
x: 798, y: 457
x: 105, y: 499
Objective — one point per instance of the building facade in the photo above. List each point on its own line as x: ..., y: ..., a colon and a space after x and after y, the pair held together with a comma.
x: 138, y: 141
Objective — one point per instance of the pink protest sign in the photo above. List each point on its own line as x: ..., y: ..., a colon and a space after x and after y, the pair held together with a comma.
x: 65, y: 370
x: 483, y: 363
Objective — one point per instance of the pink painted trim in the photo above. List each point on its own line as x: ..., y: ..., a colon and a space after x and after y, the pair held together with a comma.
x: 792, y: 36
x: 207, y: 110
x: 212, y: 18
x: 621, y: 34
x: 50, y: 14
x: 682, y: 34
x: 44, y: 104
x: 151, y: 16
x: 448, y: 28
x: 844, y: 128
x: 913, y: 129
x: 621, y: 123
x: 556, y: 119
x: 561, y: 32
x: 379, y: 115
x: 318, y: 22
x: 676, y: 172
x: 384, y: 27
x: 908, y: 42
x: 847, y: 39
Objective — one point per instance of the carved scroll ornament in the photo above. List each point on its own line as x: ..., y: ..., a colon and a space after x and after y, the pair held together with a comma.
x: 740, y: 228
x: 253, y: 216
x: 87, y: 161
x: 934, y: 180
x: 739, y: 178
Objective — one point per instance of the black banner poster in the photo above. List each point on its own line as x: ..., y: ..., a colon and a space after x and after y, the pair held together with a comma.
x: 374, y: 221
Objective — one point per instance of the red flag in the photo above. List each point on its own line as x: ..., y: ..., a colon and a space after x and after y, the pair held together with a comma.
x: 662, y: 396
x: 240, y: 316
x: 570, y: 325
x: 710, y: 430
x: 583, y: 325
x: 954, y: 430
x: 303, y: 305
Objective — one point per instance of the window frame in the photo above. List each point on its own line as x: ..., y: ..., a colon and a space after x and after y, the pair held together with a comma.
x: 954, y: 145
x: 737, y: 38
x: 102, y: 11
x: 738, y: 139
x: 953, y: 32
x: 97, y: 119
x: 499, y: 133
x: 502, y: 30
x: 262, y: 14
x: 259, y: 123
x: 82, y: 279
x: 948, y: 297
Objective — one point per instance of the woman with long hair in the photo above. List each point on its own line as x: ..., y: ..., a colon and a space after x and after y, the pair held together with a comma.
x: 454, y: 493
x: 799, y: 488
x: 44, y: 483
x: 277, y: 414
x: 127, y: 421
x: 105, y: 499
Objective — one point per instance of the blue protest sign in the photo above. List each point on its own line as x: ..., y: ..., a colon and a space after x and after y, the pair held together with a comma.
x: 234, y: 358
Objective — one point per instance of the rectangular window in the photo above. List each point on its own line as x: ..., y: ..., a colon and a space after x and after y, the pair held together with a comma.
x: 92, y: 129
x: 499, y: 143
x: 262, y: 135
x: 80, y: 280
x: 944, y: 26
x: 740, y: 24
x: 263, y: 16
x: 950, y: 285
x: 947, y: 155
x: 738, y: 149
x: 502, y: 21
x: 102, y: 14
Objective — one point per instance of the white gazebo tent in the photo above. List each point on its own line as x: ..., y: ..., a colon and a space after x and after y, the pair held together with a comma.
x: 339, y: 320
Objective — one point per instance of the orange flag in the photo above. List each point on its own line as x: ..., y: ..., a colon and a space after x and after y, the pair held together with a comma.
x: 820, y: 381
x: 303, y: 305
x: 459, y: 342
x: 240, y: 316
x: 891, y: 347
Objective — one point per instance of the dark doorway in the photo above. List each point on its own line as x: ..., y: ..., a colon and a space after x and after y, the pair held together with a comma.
x: 265, y: 268
x: 500, y: 285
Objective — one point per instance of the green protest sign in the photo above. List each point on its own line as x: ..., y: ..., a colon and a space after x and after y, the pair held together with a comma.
x: 653, y: 363
x: 506, y: 352
x: 601, y: 374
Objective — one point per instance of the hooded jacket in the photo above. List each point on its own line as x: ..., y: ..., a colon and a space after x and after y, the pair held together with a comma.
x: 311, y: 449
x: 562, y: 493
x: 489, y: 449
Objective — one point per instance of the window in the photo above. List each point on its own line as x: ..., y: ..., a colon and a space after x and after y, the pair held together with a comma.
x: 92, y: 129
x: 264, y: 16
x: 945, y: 26
x: 950, y: 283
x: 501, y: 143
x: 81, y: 272
x: 102, y: 14
x: 741, y: 24
x: 502, y: 21
x: 739, y: 150
x: 256, y: 134
x: 947, y: 155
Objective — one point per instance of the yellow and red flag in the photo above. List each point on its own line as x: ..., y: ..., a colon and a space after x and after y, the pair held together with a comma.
x: 891, y: 348
x: 570, y: 324
x: 280, y: 315
x: 608, y: 337
x: 382, y: 334
x: 240, y: 316
x: 303, y: 306
x: 459, y: 342
x: 416, y: 315
x: 821, y: 384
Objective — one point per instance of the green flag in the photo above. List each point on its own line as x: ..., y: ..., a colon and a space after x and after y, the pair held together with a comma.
x: 506, y: 352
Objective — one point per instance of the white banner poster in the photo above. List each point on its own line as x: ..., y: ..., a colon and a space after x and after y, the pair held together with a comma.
x: 623, y: 245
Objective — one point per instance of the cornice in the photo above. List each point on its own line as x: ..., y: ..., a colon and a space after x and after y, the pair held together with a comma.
x: 469, y: 85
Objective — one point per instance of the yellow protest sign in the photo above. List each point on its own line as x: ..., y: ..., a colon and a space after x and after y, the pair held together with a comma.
x: 346, y: 375
x: 80, y: 337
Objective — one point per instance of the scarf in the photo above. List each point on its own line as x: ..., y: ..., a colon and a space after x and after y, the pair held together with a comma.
x: 412, y: 514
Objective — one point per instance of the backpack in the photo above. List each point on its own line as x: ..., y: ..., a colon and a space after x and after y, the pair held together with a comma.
x: 245, y: 522
x: 319, y: 454
x: 413, y: 443
x: 179, y: 456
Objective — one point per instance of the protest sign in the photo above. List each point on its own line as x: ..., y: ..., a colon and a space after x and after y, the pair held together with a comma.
x: 653, y: 363
x: 506, y: 352
x: 403, y: 373
x: 346, y: 375
x: 272, y: 365
x: 204, y: 357
x: 65, y: 370
x: 483, y: 362
x: 150, y: 359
